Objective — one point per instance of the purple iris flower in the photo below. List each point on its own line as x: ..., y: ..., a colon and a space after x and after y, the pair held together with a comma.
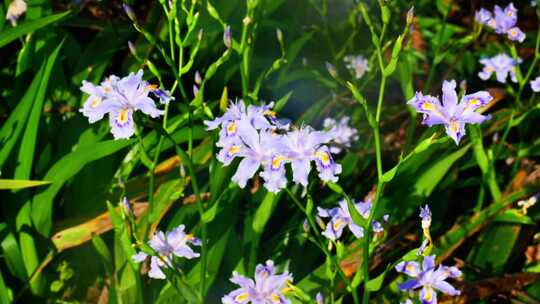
x: 258, y: 149
x: 535, y: 84
x: 429, y: 277
x: 357, y: 64
x: 167, y: 245
x: 340, y: 217
x: 503, y: 21
x: 305, y: 145
x: 342, y: 134
x: 267, y: 288
x: 450, y: 113
x: 501, y: 65
x: 256, y: 115
x: 120, y: 98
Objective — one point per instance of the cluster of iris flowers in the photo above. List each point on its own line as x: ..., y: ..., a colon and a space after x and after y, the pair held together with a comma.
x: 120, y: 98
x: 260, y: 139
x: 502, y: 21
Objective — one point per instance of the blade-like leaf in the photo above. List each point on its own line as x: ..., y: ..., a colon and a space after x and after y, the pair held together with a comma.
x: 20, y: 184
x: 63, y: 170
x: 13, y: 33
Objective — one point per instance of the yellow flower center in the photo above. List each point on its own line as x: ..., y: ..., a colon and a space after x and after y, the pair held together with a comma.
x: 241, y: 297
x: 429, y: 295
x: 513, y: 33
x: 277, y: 160
x: 427, y: 106
x: 492, y: 22
x: 275, y: 298
x: 151, y: 87
x: 123, y: 116
x: 107, y: 90
x: 338, y: 223
x: 234, y: 149
x: 231, y: 128
x: 454, y: 126
x: 270, y: 113
x: 323, y: 157
x: 409, y: 267
x: 95, y: 103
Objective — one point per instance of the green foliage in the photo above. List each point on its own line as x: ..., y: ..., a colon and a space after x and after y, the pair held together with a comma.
x: 64, y: 179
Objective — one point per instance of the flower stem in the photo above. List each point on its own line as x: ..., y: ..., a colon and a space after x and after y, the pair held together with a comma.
x: 319, y: 244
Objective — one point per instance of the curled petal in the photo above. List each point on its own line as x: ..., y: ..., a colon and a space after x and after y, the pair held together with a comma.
x: 409, y: 285
x: 411, y: 269
x: 245, y: 171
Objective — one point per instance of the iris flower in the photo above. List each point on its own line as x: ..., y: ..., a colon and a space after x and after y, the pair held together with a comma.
x: 267, y: 288
x: 356, y: 64
x: 503, y: 21
x: 343, y: 135
x: 120, y: 98
x: 501, y: 65
x: 167, y: 245
x: 429, y: 277
x: 15, y: 10
x: 453, y: 115
x: 340, y: 217
x: 535, y: 84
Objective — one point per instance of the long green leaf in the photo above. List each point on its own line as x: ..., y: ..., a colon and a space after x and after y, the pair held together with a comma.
x: 63, y: 170
x: 13, y: 33
x: 12, y: 128
x: 28, y: 144
x: 20, y: 183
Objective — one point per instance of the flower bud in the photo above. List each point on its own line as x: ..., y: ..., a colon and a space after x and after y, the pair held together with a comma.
x: 279, y: 35
x: 200, y: 34
x: 331, y: 69
x: 198, y: 79
x: 410, y: 15
x: 132, y: 49
x: 126, y: 208
x: 129, y: 12
x: 227, y: 37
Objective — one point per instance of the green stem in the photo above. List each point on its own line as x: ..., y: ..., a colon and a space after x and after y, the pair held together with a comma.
x: 313, y: 227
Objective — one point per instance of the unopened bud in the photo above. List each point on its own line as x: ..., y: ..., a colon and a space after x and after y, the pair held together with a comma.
x: 279, y: 35
x: 305, y: 225
x: 132, y: 49
x: 195, y: 90
x: 247, y: 20
x: 331, y: 69
x: 126, y: 208
x: 200, y: 34
x: 463, y: 85
x: 227, y: 37
x: 410, y: 15
x: 198, y: 79
x: 129, y: 12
